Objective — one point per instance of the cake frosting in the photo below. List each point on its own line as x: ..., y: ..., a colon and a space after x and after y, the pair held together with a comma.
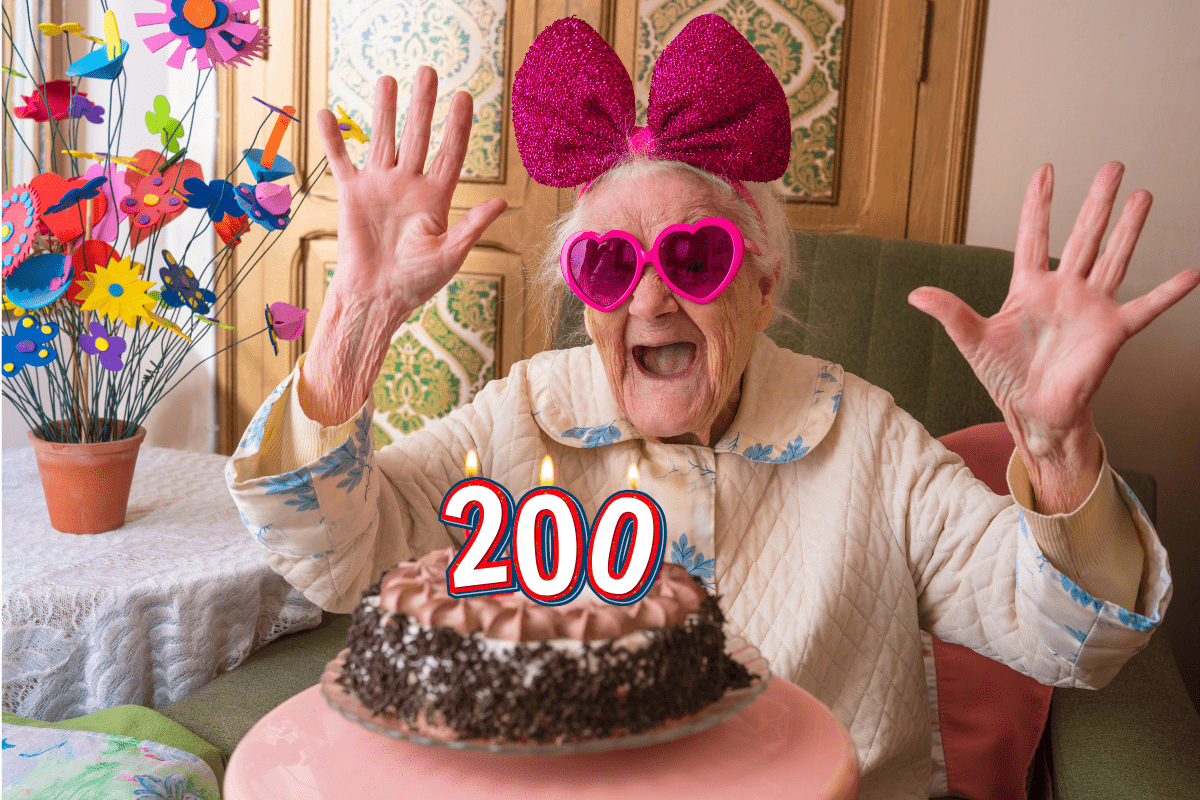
x: 503, y: 668
x: 418, y: 590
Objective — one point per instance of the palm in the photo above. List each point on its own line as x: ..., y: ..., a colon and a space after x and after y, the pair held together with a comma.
x: 394, y: 241
x: 1044, y: 354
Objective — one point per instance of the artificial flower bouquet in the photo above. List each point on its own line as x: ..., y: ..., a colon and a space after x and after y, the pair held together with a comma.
x: 92, y: 301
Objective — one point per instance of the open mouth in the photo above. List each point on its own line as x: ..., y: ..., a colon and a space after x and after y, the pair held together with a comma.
x: 666, y: 361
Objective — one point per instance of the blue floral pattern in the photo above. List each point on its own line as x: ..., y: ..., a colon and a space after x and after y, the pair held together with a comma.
x: 297, y: 485
x: 594, y: 437
x: 351, y: 458
x: 175, y: 786
x: 762, y: 453
x: 693, y: 561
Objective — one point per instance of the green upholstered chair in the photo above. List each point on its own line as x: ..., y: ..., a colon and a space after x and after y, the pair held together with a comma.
x: 1138, y: 737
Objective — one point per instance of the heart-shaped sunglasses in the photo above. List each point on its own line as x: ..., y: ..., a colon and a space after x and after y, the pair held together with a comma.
x: 697, y: 261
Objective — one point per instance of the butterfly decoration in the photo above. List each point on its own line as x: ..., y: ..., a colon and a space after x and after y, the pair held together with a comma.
x: 285, y: 321
x: 349, y: 128
x: 82, y: 108
x: 182, y: 287
x: 159, y: 121
x: 78, y: 195
x: 50, y: 29
x: 217, y: 197
x: 28, y: 347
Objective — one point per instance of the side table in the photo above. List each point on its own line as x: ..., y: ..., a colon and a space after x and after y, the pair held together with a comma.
x: 145, y: 614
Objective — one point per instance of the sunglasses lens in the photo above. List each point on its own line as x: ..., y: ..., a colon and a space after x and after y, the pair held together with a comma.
x: 603, y: 270
x: 697, y: 262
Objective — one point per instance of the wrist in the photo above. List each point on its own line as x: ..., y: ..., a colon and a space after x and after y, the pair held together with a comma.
x: 348, y: 348
x: 1062, y: 467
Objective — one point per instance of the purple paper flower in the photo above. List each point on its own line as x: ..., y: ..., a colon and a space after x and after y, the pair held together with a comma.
x: 100, y: 343
x: 81, y: 107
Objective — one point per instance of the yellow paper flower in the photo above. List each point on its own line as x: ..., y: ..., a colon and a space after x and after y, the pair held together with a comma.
x: 115, y: 291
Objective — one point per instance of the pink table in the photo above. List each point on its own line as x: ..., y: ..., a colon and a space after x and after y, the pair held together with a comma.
x: 786, y: 744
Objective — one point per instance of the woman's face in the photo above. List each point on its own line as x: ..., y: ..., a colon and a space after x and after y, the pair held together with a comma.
x: 674, y: 366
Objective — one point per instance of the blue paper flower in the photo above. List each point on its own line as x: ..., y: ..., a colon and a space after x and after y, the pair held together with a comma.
x: 183, y: 288
x: 194, y: 29
x: 28, y: 347
x: 217, y: 197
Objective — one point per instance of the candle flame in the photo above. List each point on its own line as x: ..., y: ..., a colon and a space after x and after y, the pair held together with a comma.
x: 547, y: 472
x: 472, y: 467
x: 632, y: 476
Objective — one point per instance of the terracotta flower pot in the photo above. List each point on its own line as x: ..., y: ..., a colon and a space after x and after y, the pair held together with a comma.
x: 87, y: 485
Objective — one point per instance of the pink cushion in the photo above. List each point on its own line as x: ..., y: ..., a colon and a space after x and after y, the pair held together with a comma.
x: 992, y: 717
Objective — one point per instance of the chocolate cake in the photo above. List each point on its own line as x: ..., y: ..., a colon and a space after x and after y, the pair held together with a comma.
x: 502, y: 668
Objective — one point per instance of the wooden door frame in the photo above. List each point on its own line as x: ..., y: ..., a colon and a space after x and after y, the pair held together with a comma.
x: 935, y: 159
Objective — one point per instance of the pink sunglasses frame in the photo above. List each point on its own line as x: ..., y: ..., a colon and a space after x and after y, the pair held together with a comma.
x: 651, y: 257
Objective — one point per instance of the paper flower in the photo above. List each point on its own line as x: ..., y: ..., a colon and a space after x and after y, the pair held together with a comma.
x: 52, y: 99
x: 87, y: 258
x: 216, y: 197
x: 78, y: 195
x: 116, y: 292
x: 22, y: 211
x: 199, y: 25
x: 14, y: 310
x: 349, y: 128
x: 266, y: 203
x: 28, y: 347
x: 101, y: 343
x: 39, y: 281
x: 159, y: 121
x: 182, y: 287
x: 115, y: 191
x: 247, y: 50
x: 155, y: 201
x: 286, y: 320
x: 82, y: 108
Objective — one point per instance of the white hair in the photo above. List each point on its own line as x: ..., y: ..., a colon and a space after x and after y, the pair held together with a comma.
x: 773, y: 235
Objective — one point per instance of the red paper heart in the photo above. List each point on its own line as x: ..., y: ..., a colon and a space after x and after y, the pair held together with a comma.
x: 87, y: 256
x: 66, y: 225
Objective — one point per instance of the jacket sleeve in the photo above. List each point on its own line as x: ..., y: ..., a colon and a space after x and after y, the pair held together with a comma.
x: 981, y: 568
x: 329, y: 511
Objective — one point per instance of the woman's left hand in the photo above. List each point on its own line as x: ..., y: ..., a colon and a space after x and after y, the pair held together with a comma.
x: 1044, y: 353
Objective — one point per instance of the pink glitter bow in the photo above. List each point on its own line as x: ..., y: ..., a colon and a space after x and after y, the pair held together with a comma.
x: 714, y: 104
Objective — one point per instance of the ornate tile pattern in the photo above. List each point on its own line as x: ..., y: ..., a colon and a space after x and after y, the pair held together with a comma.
x: 464, y: 40
x: 440, y: 357
x: 802, y: 42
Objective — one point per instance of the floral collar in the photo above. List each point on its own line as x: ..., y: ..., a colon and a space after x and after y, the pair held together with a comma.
x: 788, y: 404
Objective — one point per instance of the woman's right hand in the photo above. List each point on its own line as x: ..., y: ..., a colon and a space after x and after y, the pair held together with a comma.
x: 395, y: 248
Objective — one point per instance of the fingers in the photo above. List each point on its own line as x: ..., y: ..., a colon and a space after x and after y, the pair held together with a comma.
x: 1079, y: 254
x: 1141, y: 312
x: 447, y: 164
x: 964, y: 326
x: 335, y: 147
x: 1032, y: 253
x: 414, y: 142
x: 1111, y: 266
x: 466, y: 232
x: 382, y: 151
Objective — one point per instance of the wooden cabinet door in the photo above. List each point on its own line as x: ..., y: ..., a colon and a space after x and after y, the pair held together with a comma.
x: 883, y: 100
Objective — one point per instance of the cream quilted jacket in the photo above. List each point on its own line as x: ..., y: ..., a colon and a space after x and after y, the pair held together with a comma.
x: 833, y: 528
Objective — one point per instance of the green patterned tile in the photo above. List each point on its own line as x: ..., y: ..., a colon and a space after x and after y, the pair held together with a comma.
x: 464, y: 40
x: 801, y: 40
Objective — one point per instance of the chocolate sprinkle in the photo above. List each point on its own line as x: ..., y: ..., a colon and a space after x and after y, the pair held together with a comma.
x: 398, y: 667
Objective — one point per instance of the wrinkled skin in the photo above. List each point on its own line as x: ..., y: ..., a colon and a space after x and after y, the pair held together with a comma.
x: 697, y: 400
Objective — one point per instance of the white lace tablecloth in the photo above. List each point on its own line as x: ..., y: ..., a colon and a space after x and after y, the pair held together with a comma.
x: 145, y: 614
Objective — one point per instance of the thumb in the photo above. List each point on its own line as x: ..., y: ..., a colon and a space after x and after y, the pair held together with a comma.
x: 466, y: 232
x: 964, y: 326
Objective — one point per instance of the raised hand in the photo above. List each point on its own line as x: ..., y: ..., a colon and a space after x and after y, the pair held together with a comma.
x: 395, y: 248
x: 1044, y: 353
x: 393, y: 238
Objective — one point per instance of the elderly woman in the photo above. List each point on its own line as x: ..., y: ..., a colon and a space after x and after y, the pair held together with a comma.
x: 832, y: 526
